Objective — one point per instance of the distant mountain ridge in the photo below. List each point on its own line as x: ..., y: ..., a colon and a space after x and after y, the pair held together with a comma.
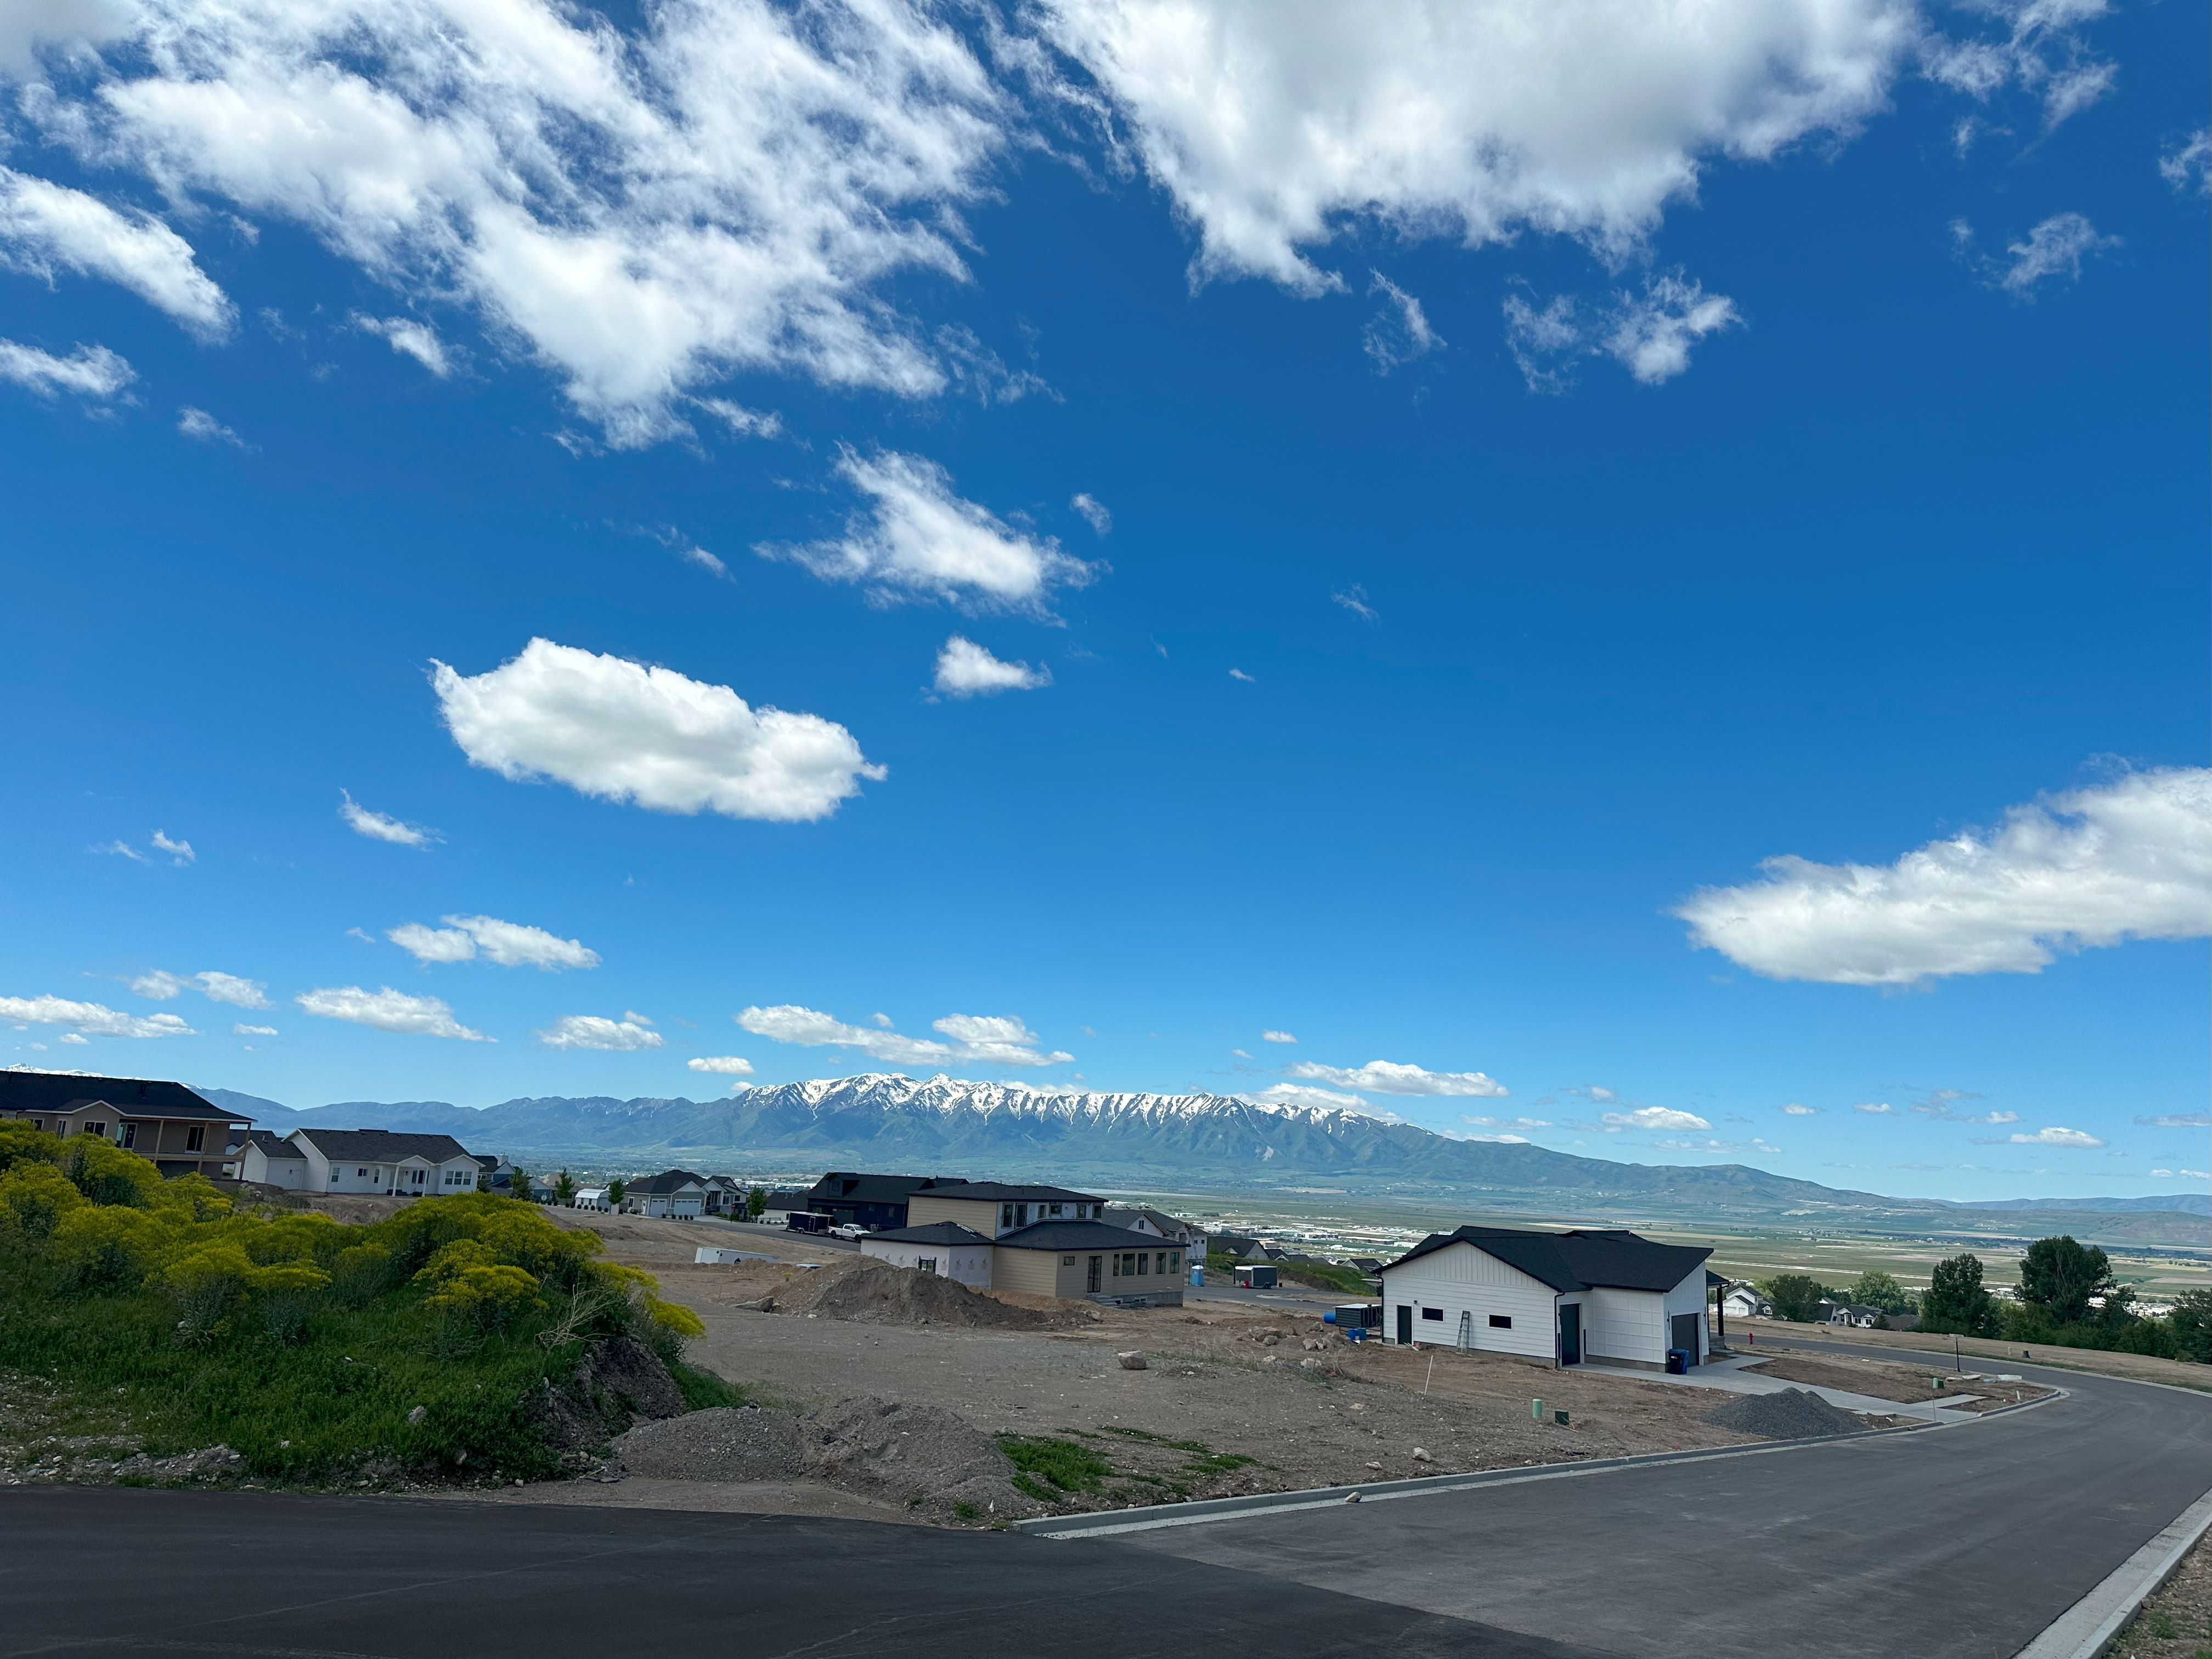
x: 941, y: 1123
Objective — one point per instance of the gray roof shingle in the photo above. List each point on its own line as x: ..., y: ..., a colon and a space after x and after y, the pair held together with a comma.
x: 1075, y: 1235
x: 1587, y: 1258
x: 381, y: 1145
x: 937, y: 1232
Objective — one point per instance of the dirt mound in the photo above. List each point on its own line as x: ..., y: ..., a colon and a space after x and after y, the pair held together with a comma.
x: 923, y: 1457
x: 722, y: 1443
x: 875, y: 1292
x: 1793, y: 1415
x: 618, y: 1382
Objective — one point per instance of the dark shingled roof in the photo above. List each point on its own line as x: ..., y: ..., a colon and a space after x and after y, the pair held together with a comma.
x: 668, y: 1181
x: 1075, y: 1235
x: 937, y: 1232
x: 273, y: 1145
x: 851, y: 1187
x: 1585, y: 1258
x: 999, y: 1192
x: 132, y: 1096
x: 381, y: 1145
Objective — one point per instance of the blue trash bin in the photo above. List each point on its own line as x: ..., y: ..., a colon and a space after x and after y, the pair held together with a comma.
x: 1678, y: 1361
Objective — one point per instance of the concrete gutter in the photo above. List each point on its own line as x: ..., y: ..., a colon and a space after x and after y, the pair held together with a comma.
x: 2082, y: 1630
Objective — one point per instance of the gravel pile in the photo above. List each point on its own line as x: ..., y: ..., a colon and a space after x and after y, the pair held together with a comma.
x: 896, y: 1451
x: 876, y: 1292
x: 1793, y: 1415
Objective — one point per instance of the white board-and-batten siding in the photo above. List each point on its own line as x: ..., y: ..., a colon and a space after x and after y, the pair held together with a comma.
x: 1638, y: 1326
x: 1460, y: 1279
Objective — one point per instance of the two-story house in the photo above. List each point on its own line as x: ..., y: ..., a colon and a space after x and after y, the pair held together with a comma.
x: 181, y: 1133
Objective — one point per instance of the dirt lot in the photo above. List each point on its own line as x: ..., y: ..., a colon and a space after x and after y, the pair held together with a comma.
x: 1884, y: 1381
x: 2176, y: 1622
x: 1225, y: 1402
x: 2143, y: 1368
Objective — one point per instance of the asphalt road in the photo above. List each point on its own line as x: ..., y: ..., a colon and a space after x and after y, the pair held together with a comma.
x: 1956, y: 1543
x: 100, y: 1571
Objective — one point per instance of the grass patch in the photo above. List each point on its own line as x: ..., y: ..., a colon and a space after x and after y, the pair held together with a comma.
x: 704, y: 1389
x: 1043, y: 1461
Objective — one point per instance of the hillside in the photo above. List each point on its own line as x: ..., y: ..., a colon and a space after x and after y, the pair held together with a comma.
x: 889, y: 1121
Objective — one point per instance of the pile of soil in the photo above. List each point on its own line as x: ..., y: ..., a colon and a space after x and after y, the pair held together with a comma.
x: 618, y: 1382
x: 1793, y: 1415
x: 922, y: 1457
x: 876, y: 1292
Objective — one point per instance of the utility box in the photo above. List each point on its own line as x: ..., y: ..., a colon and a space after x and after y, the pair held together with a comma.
x: 1257, y: 1276
x: 1355, y: 1317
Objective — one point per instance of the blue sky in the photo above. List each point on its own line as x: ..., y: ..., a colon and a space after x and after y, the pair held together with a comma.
x: 1376, y: 539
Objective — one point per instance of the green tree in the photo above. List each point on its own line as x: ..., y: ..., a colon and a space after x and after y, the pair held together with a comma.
x: 756, y: 1204
x: 1795, y: 1296
x: 615, y: 1188
x: 1956, y: 1300
x: 1876, y: 1289
x: 517, y: 1184
x: 2191, y: 1325
x: 2058, y: 1276
x: 564, y: 1190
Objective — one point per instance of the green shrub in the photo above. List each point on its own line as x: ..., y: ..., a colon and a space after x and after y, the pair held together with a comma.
x: 1058, y: 1464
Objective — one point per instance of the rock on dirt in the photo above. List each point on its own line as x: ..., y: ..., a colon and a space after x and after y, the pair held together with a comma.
x: 1792, y: 1414
x: 923, y: 1457
x: 876, y: 1292
x: 1132, y: 1361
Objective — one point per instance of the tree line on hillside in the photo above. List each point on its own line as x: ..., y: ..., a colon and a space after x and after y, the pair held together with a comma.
x: 410, y: 1348
x: 2067, y: 1295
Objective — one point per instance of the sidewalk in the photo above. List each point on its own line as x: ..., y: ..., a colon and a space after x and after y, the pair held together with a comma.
x: 1729, y: 1377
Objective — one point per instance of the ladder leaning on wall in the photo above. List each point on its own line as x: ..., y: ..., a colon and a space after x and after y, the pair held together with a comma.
x: 1465, y: 1344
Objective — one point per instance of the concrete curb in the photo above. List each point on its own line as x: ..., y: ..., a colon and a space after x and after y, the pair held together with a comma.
x: 2082, y: 1630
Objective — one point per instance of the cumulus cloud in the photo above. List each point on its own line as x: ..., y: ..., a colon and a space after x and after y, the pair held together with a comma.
x: 1093, y: 511
x: 1276, y: 129
x: 965, y: 669
x: 990, y: 1040
x: 1875, y: 1109
x: 1400, y: 331
x: 1386, y: 1076
x: 624, y: 732
x: 46, y: 227
x: 642, y: 208
x: 92, y: 372
x: 238, y: 993
x: 2091, y: 867
x: 1798, y: 1109
x: 508, y: 944
x: 1649, y: 333
x: 631, y: 1032
x: 721, y: 1065
x: 179, y: 851
x: 1303, y: 1095
x: 2177, y: 1120
x: 2053, y: 1136
x: 90, y: 1019
x: 203, y: 428
x: 1652, y: 1117
x: 410, y: 339
x: 387, y: 1010
x: 252, y: 1030
x: 2187, y: 165
x: 1277, y: 1036
x: 918, y: 538
x: 380, y: 826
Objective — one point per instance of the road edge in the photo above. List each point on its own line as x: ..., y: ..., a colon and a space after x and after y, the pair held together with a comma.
x: 2084, y: 1629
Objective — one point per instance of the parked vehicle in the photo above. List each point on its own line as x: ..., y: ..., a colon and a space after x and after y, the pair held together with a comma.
x: 850, y: 1230
x: 806, y: 1221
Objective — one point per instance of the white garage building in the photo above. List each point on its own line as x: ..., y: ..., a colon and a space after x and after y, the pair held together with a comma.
x: 1556, y: 1299
x: 940, y: 1246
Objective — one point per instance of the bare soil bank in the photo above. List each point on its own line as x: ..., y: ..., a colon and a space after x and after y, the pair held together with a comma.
x: 1981, y: 1354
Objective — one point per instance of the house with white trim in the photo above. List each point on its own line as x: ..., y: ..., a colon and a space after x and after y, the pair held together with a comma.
x: 938, y: 1247
x: 272, y: 1160
x: 386, y: 1161
x: 1601, y: 1294
x: 672, y: 1195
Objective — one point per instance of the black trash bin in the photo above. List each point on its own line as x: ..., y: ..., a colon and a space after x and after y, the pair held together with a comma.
x: 1678, y: 1361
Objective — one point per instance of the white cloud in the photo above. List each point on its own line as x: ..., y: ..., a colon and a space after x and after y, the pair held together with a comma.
x: 1400, y: 332
x: 1506, y: 1123
x: 388, y: 1009
x: 1875, y: 1109
x: 89, y: 371
x: 159, y: 987
x: 88, y: 1017
x: 122, y: 849
x: 2185, y: 1174
x: 379, y: 826
x: 1354, y: 599
x: 2187, y: 165
x: 1798, y: 1109
x: 1295, y: 1094
x: 509, y: 943
x: 179, y: 851
x: 744, y: 423
x: 1093, y: 511
x: 1650, y: 333
x: 624, y: 732
x: 980, y: 1039
x: 1652, y: 1117
x: 728, y: 186
x: 2177, y: 1120
x: 1939, y: 1106
x: 1386, y: 1076
x: 692, y: 553
x: 44, y: 227
x: 410, y: 339
x: 919, y: 539
x: 965, y: 669
x: 254, y: 1031
x: 1241, y: 1054
x: 721, y: 1065
x: 1277, y: 1036
x: 2054, y: 248
x: 2038, y: 48
x: 203, y: 428
x: 1495, y: 1140
x: 1239, y: 674
x: 2055, y: 1136
x: 2128, y: 859
x: 597, y: 1031
x: 1277, y: 128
